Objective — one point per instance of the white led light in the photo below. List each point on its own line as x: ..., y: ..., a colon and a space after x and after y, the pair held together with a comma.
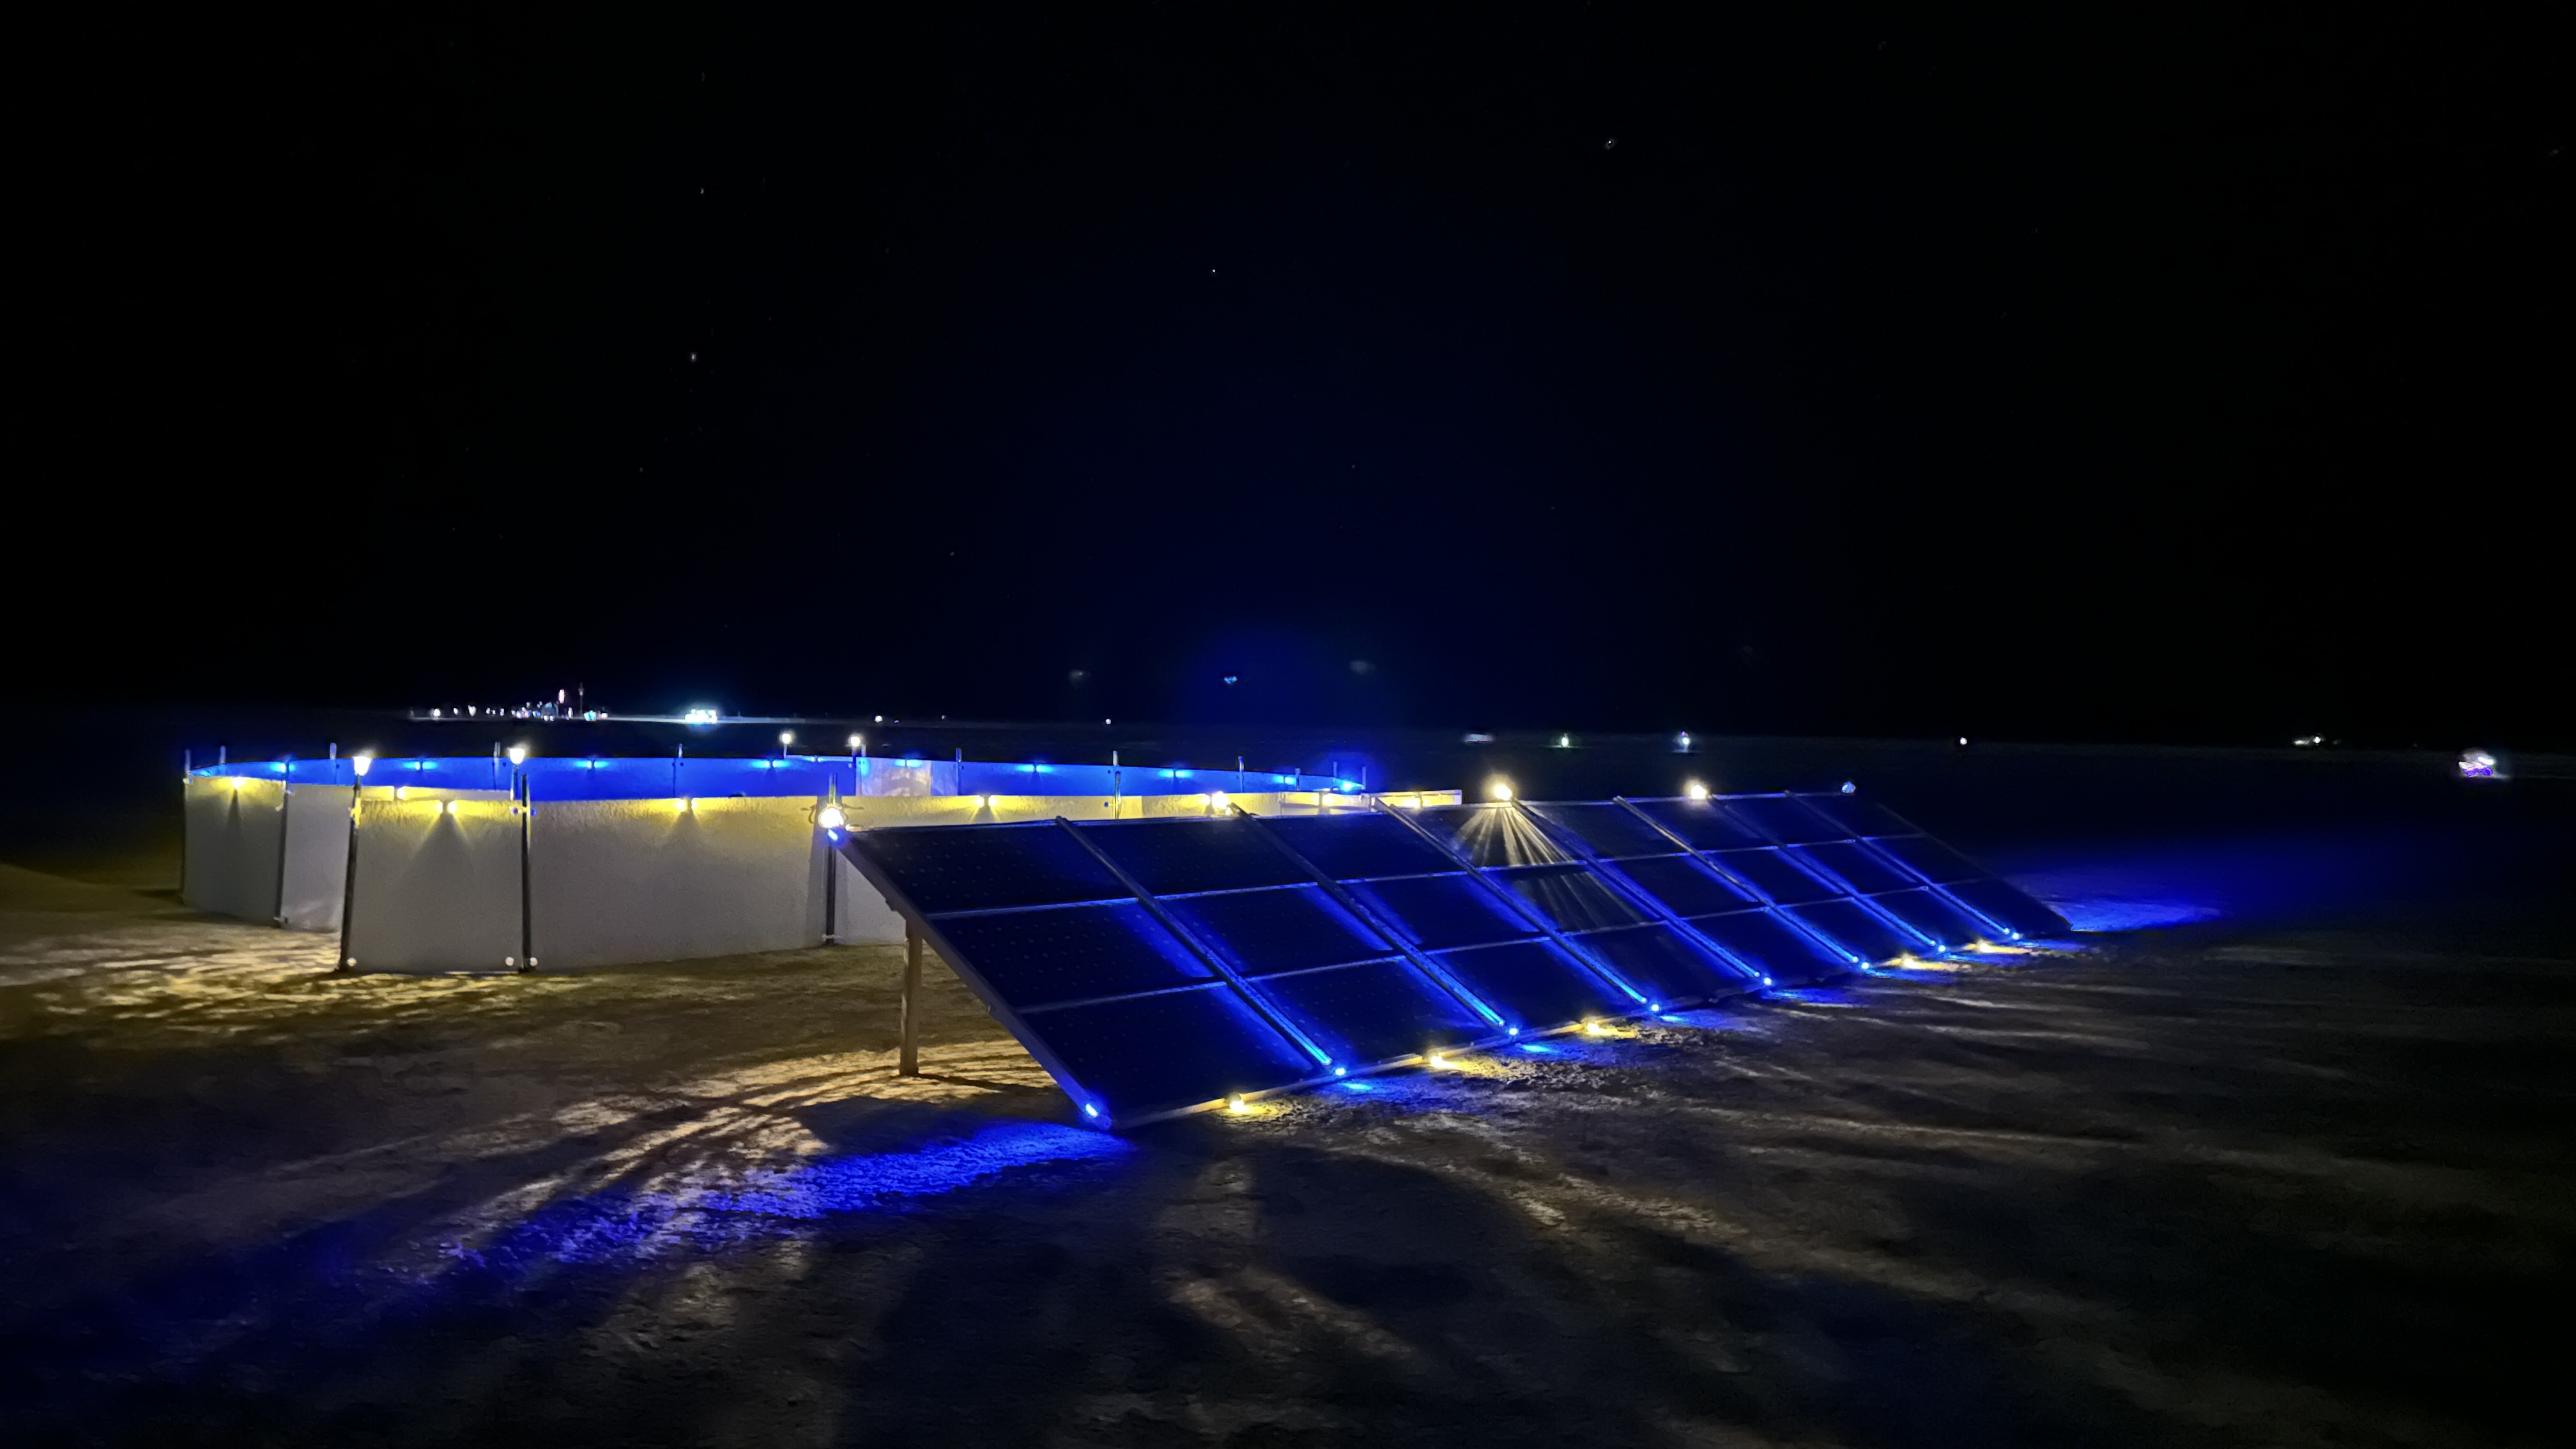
x: 360, y: 763
x: 831, y: 817
x: 518, y: 754
x: 1695, y: 790
x: 1500, y: 790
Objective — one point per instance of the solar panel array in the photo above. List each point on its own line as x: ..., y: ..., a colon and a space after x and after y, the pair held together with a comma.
x: 1160, y: 966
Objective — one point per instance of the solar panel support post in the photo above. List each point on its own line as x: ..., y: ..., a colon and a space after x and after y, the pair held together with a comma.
x: 1342, y: 897
x: 1620, y: 882
x: 1769, y: 902
x: 1250, y: 994
x: 907, y: 1060
x: 1521, y: 908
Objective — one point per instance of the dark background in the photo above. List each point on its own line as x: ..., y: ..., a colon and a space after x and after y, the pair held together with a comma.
x: 2096, y: 376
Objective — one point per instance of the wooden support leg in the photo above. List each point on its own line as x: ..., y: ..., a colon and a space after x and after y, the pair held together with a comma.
x: 908, y: 1060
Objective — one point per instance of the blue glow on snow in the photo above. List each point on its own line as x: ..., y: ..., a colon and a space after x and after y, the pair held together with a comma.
x: 879, y: 1181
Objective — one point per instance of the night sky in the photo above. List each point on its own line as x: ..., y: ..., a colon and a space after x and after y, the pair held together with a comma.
x: 2060, y: 376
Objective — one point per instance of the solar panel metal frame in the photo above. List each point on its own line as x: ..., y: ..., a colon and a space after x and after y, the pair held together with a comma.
x: 1842, y: 888
x: 1770, y: 902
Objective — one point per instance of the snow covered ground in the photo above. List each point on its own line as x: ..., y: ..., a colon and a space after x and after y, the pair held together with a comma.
x: 2221, y: 1182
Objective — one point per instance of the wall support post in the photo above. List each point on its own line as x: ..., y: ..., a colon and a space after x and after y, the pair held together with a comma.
x: 908, y: 1055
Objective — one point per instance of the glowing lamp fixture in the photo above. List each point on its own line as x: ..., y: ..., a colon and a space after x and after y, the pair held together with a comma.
x: 687, y: 805
x: 402, y: 792
x: 831, y: 817
x: 1439, y: 1060
x: 786, y: 737
x: 360, y: 763
x: 518, y: 754
x: 856, y: 741
x: 1236, y: 1104
x: 449, y: 807
x: 237, y: 784
x: 1216, y: 799
x: 1089, y: 1110
x: 1849, y: 787
x: 1695, y: 790
x: 1594, y: 1028
x: 2478, y: 765
x: 1500, y: 790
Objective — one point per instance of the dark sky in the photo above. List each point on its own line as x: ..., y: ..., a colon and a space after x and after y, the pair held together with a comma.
x: 2066, y: 375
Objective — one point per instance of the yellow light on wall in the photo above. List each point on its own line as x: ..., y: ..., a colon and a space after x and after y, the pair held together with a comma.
x: 451, y: 806
x: 237, y: 784
x: 831, y: 817
x: 686, y: 804
x: 1237, y: 1105
x: 402, y: 792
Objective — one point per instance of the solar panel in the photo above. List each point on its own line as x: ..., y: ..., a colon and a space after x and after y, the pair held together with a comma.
x: 1857, y: 814
x: 1292, y: 929
x: 1536, y: 982
x: 1782, y: 820
x: 1161, y: 966
x: 963, y: 869
x: 1491, y: 834
x: 1701, y: 824
x: 1358, y: 847
x: 1684, y: 887
x: 1569, y: 897
x: 1169, y: 857
x: 1440, y: 911
x: 1775, y: 946
x: 1074, y: 953
x: 1855, y: 867
x: 1609, y: 829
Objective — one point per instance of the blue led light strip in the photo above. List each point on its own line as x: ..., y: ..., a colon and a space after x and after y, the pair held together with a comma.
x: 1352, y: 904
x: 1621, y: 883
x: 1154, y: 907
x: 1521, y: 908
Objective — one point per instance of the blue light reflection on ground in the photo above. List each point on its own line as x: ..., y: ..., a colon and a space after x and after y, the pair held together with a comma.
x: 621, y: 1225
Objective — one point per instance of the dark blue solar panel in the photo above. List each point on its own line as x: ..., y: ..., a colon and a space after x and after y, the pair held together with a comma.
x: 1440, y: 911
x: 1071, y: 953
x: 1772, y: 874
x: 1373, y: 1011
x: 1148, y: 1054
x: 1702, y: 824
x: 1492, y: 834
x: 1783, y: 819
x: 1289, y: 929
x: 1857, y: 815
x: 1169, y: 857
x: 1683, y: 886
x: 978, y: 867
x: 1668, y: 966
x: 1774, y: 947
x: 1351, y: 847
x: 1850, y: 924
x: 1945, y: 923
x: 1931, y: 859
x: 1854, y: 867
x: 1609, y: 829
x: 1570, y: 897
x: 1534, y: 984
x: 2009, y: 907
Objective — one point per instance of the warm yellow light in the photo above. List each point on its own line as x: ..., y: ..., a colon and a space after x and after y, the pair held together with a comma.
x: 450, y: 807
x: 983, y: 802
x: 1439, y: 1059
x: 237, y: 784
x: 1594, y: 1028
x: 1216, y: 799
x: 1237, y: 1104
x: 687, y: 805
x: 1500, y: 790
x: 1695, y: 790
x: 831, y: 817
x: 787, y: 737
x: 402, y: 792
x: 855, y: 742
